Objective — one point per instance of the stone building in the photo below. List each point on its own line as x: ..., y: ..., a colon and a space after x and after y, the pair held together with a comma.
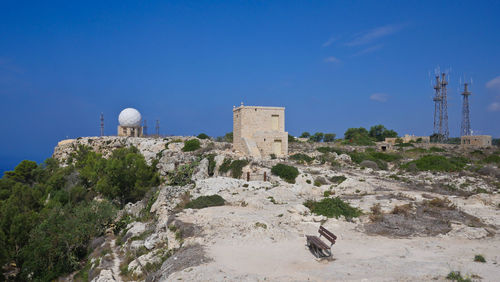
x: 408, y: 138
x: 260, y: 131
x: 130, y: 123
x: 476, y: 141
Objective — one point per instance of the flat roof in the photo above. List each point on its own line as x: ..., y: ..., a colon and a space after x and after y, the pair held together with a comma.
x: 258, y: 107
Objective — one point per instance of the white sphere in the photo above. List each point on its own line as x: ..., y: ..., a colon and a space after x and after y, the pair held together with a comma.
x: 130, y: 117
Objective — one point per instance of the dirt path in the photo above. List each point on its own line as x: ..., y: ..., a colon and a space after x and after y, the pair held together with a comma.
x: 115, y: 269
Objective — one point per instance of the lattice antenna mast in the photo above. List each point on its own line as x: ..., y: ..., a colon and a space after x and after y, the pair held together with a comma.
x: 465, y: 128
x: 444, y: 108
x: 145, y: 128
x: 102, y: 124
x: 437, y: 106
x: 157, y: 128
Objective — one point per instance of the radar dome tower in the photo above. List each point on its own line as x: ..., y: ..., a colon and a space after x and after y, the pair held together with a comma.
x: 130, y: 123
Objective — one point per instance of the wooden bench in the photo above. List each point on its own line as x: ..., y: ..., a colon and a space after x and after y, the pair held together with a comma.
x: 317, y: 246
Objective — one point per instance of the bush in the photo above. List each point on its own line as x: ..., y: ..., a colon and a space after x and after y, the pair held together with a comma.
x: 205, y: 201
x: 457, y: 276
x: 285, y: 172
x: 191, y: 145
x: 333, y: 207
x: 181, y: 176
x: 325, y: 150
x: 436, y: 149
x: 438, y: 163
x: 235, y: 166
x: 337, y: 179
x: 301, y: 158
x: 479, y: 258
x: 203, y: 136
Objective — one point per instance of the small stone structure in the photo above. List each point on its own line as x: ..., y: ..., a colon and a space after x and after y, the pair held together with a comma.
x: 130, y: 131
x: 260, y: 131
x: 408, y: 138
x: 476, y: 141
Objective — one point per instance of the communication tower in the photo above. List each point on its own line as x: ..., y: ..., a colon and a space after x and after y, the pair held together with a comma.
x: 102, y: 124
x: 465, y: 127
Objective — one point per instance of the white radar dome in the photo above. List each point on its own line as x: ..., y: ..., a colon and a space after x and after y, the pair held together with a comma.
x: 130, y: 117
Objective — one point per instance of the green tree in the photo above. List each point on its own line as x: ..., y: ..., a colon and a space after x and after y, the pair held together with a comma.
x: 317, y: 137
x: 357, y: 136
x: 379, y: 133
x: 228, y: 137
x: 291, y: 139
x: 203, y: 136
x: 329, y: 137
x: 305, y: 135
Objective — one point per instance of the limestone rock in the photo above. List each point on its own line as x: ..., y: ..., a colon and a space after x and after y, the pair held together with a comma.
x: 343, y: 158
x: 369, y: 164
x: 201, y: 171
x: 104, y: 276
x: 134, y: 229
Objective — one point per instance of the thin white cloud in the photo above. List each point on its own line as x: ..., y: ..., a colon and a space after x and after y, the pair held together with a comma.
x: 494, y: 83
x: 379, y: 97
x: 494, y: 107
x: 332, y: 60
x: 369, y: 50
x: 329, y: 42
x: 374, y: 34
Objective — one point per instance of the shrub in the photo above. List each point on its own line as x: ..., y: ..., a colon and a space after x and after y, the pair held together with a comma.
x: 235, y: 166
x: 325, y: 150
x: 273, y: 156
x: 436, y: 149
x: 205, y: 201
x: 457, y: 276
x: 191, y: 145
x: 333, y: 207
x: 301, y: 158
x: 438, y: 163
x: 211, y: 164
x: 337, y: 179
x: 492, y: 159
x: 479, y: 258
x: 285, y: 172
x: 181, y: 176
x: 203, y: 136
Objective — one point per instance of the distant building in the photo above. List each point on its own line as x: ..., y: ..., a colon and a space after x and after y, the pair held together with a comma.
x: 260, y: 131
x: 475, y: 140
x: 130, y: 123
x: 409, y: 138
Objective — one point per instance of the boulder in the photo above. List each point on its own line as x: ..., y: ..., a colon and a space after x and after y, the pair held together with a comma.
x: 369, y: 164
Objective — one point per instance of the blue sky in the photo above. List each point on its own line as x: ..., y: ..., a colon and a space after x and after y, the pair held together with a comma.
x: 332, y: 64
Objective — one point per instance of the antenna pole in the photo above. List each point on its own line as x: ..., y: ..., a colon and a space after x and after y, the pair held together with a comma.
x: 157, y: 127
x: 102, y: 124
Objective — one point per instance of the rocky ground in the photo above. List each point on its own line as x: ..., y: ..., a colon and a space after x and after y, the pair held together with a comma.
x: 412, y: 229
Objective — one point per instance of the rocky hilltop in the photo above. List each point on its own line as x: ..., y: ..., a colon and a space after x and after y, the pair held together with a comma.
x: 398, y: 221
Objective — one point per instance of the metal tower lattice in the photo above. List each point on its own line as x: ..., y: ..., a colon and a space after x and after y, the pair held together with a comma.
x: 157, y: 128
x: 145, y: 128
x: 437, y: 106
x: 102, y: 124
x: 445, y: 133
x: 465, y: 128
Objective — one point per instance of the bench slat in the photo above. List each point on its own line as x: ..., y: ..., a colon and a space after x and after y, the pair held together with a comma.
x: 327, y: 234
x: 317, y: 242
